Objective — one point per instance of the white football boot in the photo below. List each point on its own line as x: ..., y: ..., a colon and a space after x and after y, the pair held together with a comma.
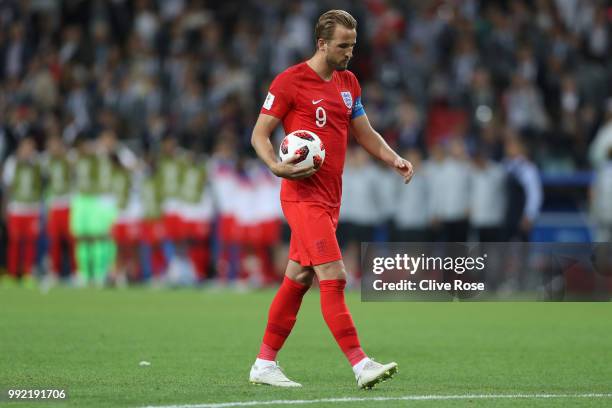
x: 372, y: 373
x: 270, y: 375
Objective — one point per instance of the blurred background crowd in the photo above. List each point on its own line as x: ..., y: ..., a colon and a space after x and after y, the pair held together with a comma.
x: 125, y: 130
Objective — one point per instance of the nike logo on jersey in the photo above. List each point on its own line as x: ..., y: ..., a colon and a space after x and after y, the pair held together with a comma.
x: 315, y: 102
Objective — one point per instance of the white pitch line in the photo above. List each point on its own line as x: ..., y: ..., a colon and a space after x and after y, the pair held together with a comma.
x: 376, y: 399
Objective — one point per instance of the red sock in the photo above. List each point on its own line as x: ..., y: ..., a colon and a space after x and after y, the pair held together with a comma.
x: 55, y: 252
x: 29, y: 256
x: 199, y: 258
x: 281, y: 318
x: 13, y: 256
x: 339, y: 320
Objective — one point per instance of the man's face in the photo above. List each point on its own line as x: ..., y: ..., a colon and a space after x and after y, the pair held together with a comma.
x: 512, y: 148
x: 339, y: 50
x: 54, y: 146
x: 26, y: 149
x: 168, y: 145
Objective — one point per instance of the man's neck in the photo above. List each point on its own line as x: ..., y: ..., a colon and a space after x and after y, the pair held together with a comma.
x: 320, y: 66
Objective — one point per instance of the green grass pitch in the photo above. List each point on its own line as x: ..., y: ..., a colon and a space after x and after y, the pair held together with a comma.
x: 201, y: 345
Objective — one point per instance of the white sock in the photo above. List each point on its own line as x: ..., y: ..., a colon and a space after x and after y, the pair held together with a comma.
x: 359, y: 366
x: 259, y: 363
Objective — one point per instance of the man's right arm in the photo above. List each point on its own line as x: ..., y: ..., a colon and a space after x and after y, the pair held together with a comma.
x: 260, y: 140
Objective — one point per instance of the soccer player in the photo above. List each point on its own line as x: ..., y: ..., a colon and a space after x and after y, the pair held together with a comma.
x: 58, y: 167
x: 124, y: 230
x: 22, y: 177
x: 170, y: 173
x: 83, y: 207
x: 152, y: 226
x: 196, y: 212
x: 322, y: 96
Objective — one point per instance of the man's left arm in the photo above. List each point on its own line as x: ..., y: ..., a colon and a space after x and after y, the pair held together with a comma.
x: 374, y: 144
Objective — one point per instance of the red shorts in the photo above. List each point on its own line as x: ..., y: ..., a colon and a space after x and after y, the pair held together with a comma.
x: 58, y: 224
x: 23, y: 226
x: 264, y: 233
x: 196, y: 229
x: 126, y: 232
x: 173, y: 226
x: 152, y: 231
x: 228, y: 230
x: 313, y: 232
x: 270, y: 232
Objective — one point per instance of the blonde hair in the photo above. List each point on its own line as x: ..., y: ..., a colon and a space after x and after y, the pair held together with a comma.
x: 327, y: 23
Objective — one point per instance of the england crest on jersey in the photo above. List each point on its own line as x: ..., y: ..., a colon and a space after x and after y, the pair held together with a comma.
x: 347, y: 98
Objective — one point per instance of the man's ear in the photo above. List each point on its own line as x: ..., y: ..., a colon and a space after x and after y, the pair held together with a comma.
x: 321, y: 45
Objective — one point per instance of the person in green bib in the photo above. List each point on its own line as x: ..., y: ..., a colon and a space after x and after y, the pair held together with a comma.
x: 58, y: 176
x: 197, y: 211
x: 170, y: 171
x: 152, y: 259
x: 23, y: 182
x: 125, y: 230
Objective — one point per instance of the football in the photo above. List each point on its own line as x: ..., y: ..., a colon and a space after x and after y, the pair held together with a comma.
x: 306, y: 145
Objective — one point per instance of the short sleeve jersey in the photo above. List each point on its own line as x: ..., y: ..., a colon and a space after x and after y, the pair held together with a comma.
x: 301, y: 99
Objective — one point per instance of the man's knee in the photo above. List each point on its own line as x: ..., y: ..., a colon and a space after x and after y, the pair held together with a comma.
x: 299, y: 273
x: 331, y: 270
x: 305, y: 277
